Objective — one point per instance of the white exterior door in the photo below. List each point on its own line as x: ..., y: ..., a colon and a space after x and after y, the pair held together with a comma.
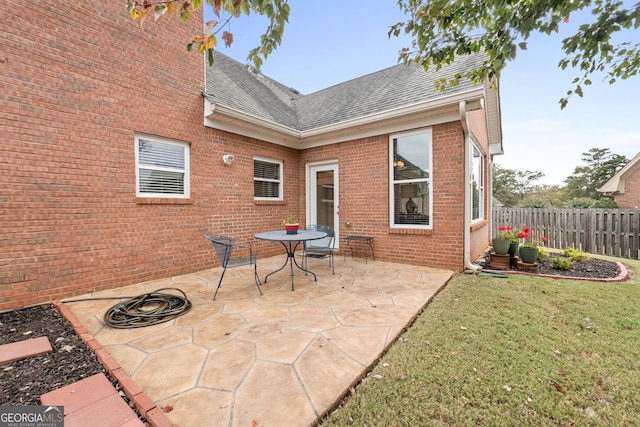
x: 322, y: 195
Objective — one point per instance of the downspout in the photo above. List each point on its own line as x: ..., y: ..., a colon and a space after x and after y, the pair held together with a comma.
x: 466, y: 243
x: 490, y: 197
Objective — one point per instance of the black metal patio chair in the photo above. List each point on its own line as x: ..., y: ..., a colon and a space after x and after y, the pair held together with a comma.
x: 224, y: 247
x: 322, y: 248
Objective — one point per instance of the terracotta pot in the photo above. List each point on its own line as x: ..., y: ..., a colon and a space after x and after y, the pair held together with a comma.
x: 501, y: 246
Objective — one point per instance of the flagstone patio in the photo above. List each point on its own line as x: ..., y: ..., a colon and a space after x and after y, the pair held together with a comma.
x: 281, y: 359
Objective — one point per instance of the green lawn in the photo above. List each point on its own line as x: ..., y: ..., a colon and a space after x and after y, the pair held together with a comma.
x: 520, y: 351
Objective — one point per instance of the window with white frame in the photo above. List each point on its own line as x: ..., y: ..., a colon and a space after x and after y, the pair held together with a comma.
x: 410, y: 174
x: 267, y: 179
x: 162, y: 167
x: 477, y: 183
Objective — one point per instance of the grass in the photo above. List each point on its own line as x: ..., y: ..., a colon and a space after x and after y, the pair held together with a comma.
x: 520, y: 351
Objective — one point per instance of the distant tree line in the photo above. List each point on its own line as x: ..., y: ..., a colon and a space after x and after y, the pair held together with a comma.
x: 515, y: 188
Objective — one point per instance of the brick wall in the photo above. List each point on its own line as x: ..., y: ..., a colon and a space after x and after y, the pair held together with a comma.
x: 364, y: 198
x: 77, y: 83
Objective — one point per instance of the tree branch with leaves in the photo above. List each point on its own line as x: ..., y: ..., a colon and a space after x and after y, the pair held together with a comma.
x: 442, y: 29
x: 277, y: 11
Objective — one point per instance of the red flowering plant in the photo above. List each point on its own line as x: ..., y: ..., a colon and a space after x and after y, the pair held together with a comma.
x: 531, y: 240
x: 507, y: 232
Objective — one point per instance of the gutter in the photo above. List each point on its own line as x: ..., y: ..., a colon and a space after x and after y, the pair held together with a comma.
x: 467, y: 197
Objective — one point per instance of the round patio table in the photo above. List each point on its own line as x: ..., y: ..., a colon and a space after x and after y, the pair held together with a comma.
x: 290, y: 243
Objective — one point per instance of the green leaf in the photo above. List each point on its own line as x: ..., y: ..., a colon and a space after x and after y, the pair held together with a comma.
x: 268, y: 10
x: 563, y: 103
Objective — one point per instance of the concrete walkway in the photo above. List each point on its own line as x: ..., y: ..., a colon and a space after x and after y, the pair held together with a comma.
x: 281, y: 359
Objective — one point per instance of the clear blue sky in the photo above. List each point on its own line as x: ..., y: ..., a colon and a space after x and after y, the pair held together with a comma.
x: 329, y: 42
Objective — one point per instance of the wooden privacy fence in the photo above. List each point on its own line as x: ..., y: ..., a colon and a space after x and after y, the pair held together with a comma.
x: 614, y: 232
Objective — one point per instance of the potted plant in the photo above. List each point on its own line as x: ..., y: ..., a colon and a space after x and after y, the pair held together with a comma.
x: 291, y: 224
x: 501, y: 242
x: 515, y: 242
x: 510, y: 234
x: 530, y: 249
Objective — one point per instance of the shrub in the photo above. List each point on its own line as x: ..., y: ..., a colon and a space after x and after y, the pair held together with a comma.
x: 575, y: 255
x: 542, y: 253
x: 561, y: 263
x: 604, y: 203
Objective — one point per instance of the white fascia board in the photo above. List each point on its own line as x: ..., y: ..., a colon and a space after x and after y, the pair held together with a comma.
x: 257, y: 133
x: 396, y: 112
x: 388, y: 127
x: 255, y: 127
x: 237, y: 114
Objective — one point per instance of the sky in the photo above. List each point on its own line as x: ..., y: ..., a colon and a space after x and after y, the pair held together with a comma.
x: 330, y: 42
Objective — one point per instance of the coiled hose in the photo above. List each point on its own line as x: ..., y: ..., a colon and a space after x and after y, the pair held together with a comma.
x: 147, y: 309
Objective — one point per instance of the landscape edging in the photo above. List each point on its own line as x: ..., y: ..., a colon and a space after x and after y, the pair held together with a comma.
x: 144, y: 404
x: 624, y: 275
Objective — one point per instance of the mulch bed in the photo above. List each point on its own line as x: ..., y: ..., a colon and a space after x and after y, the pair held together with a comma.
x: 593, y: 268
x: 22, y: 382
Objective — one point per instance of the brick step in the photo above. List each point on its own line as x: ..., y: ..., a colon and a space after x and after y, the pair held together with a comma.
x: 23, y: 349
x: 93, y: 401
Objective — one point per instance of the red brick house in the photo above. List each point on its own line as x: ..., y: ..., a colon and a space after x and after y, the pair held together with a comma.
x: 115, y: 141
x: 625, y: 185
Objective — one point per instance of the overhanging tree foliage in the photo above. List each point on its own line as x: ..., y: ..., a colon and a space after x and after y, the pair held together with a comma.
x: 442, y: 29
x: 277, y: 12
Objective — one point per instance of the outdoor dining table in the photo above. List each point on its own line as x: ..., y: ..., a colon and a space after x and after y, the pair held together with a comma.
x: 290, y: 243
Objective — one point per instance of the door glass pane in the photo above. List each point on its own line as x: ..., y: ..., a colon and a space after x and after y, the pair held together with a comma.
x: 324, y: 198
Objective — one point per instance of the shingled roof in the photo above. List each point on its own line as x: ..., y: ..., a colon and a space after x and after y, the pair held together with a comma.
x: 242, y: 90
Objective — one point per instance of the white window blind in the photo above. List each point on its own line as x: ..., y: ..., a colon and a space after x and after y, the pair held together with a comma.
x: 162, y: 168
x: 267, y: 179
